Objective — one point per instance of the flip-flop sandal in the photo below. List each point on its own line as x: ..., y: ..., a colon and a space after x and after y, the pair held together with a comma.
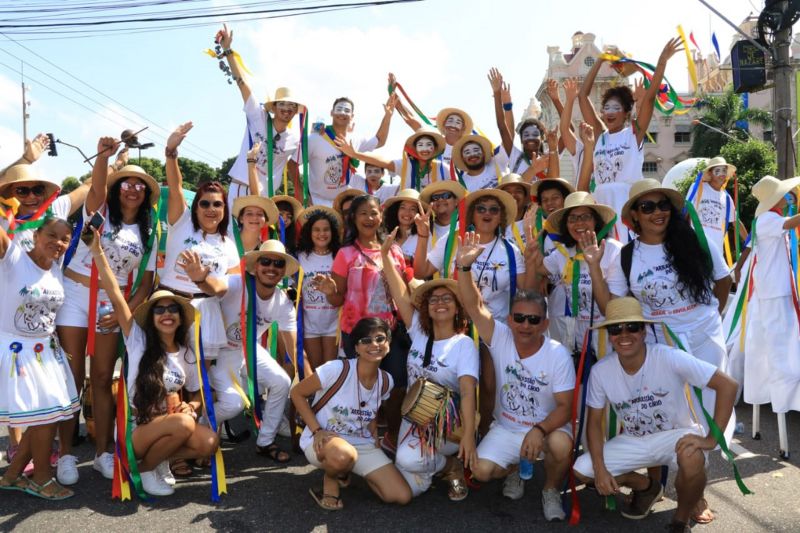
x: 19, y: 484
x: 180, y: 468
x: 457, y: 490
x: 320, y: 497
x: 34, y: 489
x: 706, y: 516
x: 344, y: 481
x: 273, y: 452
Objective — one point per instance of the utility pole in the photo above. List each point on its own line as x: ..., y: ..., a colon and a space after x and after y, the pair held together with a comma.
x: 782, y: 102
x: 25, y: 115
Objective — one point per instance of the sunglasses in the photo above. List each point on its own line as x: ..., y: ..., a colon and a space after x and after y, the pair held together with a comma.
x: 519, y: 318
x: 37, y: 190
x: 649, y: 206
x: 172, y: 309
x: 441, y: 299
x: 127, y: 186
x: 492, y: 210
x: 205, y: 204
x: 442, y: 196
x: 377, y: 339
x: 586, y: 217
x: 267, y: 261
x: 630, y: 327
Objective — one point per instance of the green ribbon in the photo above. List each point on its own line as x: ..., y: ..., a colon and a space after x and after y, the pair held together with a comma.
x: 698, y: 228
x: 270, y: 163
x: 304, y: 150
x: 746, y: 282
x: 450, y: 244
x: 611, y: 502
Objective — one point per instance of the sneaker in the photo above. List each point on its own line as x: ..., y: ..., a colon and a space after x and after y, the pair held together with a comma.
x: 513, y: 486
x: 163, y: 472
x: 643, y: 501
x: 284, y: 430
x: 104, y: 463
x: 552, y: 506
x: 154, y: 485
x: 67, y: 470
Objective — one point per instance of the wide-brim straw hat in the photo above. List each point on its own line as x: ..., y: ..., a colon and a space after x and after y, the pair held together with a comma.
x: 134, y: 171
x: 578, y: 199
x: 769, y: 190
x: 345, y: 195
x: 441, y: 118
x: 406, y: 195
x: 718, y: 161
x: 441, y: 186
x: 143, y: 309
x: 623, y: 311
x: 24, y: 173
x: 283, y: 94
x: 267, y: 205
x: 433, y: 133
x: 561, y: 181
x: 297, y: 207
x: 271, y: 247
x: 312, y: 210
x: 503, y: 197
x: 644, y: 186
x: 485, y: 144
x: 514, y: 179
x: 420, y: 290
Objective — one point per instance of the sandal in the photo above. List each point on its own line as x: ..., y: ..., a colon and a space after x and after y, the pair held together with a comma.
x: 273, y: 452
x: 457, y: 490
x: 19, y: 484
x: 180, y: 468
x: 344, y: 481
x: 203, y: 462
x: 705, y: 515
x: 321, y: 498
x: 56, y: 493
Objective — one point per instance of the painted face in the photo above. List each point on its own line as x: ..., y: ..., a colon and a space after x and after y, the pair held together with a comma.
x: 531, y: 133
x: 614, y: 114
x: 270, y: 274
x: 343, y: 108
x: 454, y: 122
x: 526, y: 332
x: 373, y: 172
x: 612, y: 106
x: 551, y: 200
x: 321, y: 234
x: 719, y: 172
x: 472, y: 153
x: 579, y: 221
x: 406, y: 212
x: 253, y: 217
x: 425, y: 147
x: 285, y: 110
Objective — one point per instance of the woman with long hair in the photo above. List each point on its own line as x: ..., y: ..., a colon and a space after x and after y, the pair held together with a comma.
x: 320, y: 240
x: 399, y: 212
x: 161, y: 367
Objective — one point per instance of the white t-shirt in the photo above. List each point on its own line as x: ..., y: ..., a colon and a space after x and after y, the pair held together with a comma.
x: 451, y: 358
x: 491, y: 272
x: 318, y: 314
x: 60, y: 208
x: 654, y: 283
x: 526, y: 387
x: 520, y: 225
x: 344, y: 414
x: 409, y: 248
x: 388, y: 188
x: 653, y: 399
x: 577, y: 158
x: 180, y: 368
x: 124, y: 250
x: 283, y: 149
x: 405, y: 181
x: 487, y: 179
x: 772, y: 276
x: 325, y: 166
x: 518, y: 162
x: 31, y: 295
x: 218, y: 254
x: 618, y: 157
x: 715, y: 212
x: 278, y: 308
x: 447, y: 155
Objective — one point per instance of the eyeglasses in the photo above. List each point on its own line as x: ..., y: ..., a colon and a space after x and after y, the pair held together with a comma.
x: 630, y: 327
x: 649, y: 206
x: 492, y: 210
x: 267, y: 261
x: 37, y: 190
x: 519, y: 318
x: 377, y: 339
x: 172, y: 309
x: 447, y: 195
x: 586, y: 217
x: 441, y: 299
x: 127, y: 186
x: 205, y: 204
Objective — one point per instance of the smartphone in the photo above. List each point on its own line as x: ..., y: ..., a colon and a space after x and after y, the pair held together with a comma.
x: 94, y: 224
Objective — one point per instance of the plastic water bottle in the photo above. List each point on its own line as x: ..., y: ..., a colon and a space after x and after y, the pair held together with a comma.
x: 525, y: 469
x: 105, y: 309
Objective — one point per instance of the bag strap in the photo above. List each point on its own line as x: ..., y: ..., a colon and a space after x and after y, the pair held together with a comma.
x: 626, y: 261
x: 384, y: 383
x: 331, y: 392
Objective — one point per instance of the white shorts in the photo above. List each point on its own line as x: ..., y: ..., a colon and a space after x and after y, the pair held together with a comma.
x: 626, y: 453
x: 320, y: 322
x: 74, y: 312
x: 416, y: 467
x: 369, y: 459
x: 502, y: 446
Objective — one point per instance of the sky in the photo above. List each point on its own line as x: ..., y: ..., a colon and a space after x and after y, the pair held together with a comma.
x: 440, y: 51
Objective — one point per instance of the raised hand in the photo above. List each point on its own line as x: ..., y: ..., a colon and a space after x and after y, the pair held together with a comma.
x: 587, y: 134
x: 534, y: 258
x: 391, y: 103
x: 122, y: 157
x: 592, y: 253
x: 638, y: 89
x: 552, y: 139
x: 571, y: 88
x: 495, y: 80
x: 672, y: 47
x: 193, y: 266
x: 387, y: 243
x: 224, y: 37
x: 176, y: 137
x: 253, y: 152
x: 505, y: 93
x: 469, y: 249
x: 552, y: 89
x: 35, y: 148
x: 392, y: 81
x: 107, y: 146
x: 324, y: 284
x: 345, y: 146
x: 528, y: 225
x: 423, y: 221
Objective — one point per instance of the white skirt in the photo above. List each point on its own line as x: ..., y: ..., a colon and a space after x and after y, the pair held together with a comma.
x: 615, y: 195
x: 212, y: 327
x: 36, y: 384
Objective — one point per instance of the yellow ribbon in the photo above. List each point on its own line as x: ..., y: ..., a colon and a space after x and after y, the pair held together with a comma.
x: 689, y: 58
x: 236, y: 57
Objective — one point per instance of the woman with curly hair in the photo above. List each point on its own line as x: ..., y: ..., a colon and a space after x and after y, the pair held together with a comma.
x: 400, y: 212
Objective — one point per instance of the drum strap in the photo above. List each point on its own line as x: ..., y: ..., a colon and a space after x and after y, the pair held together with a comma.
x: 331, y: 392
x: 426, y: 361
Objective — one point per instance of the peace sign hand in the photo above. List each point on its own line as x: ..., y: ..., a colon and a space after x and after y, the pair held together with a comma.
x: 423, y: 222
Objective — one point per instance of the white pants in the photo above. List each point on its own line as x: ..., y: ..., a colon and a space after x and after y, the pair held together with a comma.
x: 417, y: 467
x: 223, y: 375
x: 273, y: 380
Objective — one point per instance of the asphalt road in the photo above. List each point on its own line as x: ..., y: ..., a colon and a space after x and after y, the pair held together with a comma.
x: 264, y: 497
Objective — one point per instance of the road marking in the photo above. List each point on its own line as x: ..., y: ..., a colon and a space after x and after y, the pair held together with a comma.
x: 740, y: 451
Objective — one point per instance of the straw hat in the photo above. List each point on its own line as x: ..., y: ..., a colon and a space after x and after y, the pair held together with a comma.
x: 143, y: 309
x: 297, y: 207
x: 769, y: 190
x: 718, y: 161
x: 484, y: 143
x: 503, y: 197
x: 420, y: 290
x: 578, y: 199
x: 134, y: 171
x: 441, y: 186
x: 267, y: 205
x: 342, y: 197
x: 622, y: 311
x: 561, y: 181
x: 514, y: 179
x: 271, y: 247
x: 282, y: 94
x: 24, y: 173
x: 438, y: 139
x: 644, y: 186
x: 310, y: 211
x: 406, y: 195
x: 441, y: 118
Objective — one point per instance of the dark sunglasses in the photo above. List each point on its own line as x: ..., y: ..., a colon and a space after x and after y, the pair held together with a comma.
x: 127, y: 186
x: 649, y: 206
x: 447, y: 195
x: 37, y: 190
x: 267, y: 261
x: 630, y: 327
x: 377, y: 339
x: 205, y: 204
x: 492, y: 210
x: 519, y: 318
x: 173, y: 309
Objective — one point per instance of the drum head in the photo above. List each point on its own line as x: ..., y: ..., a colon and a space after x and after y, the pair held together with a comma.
x: 411, y: 396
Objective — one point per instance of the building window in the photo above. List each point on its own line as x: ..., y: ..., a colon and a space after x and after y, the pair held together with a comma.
x: 683, y: 137
x: 651, y: 135
x: 649, y: 167
x: 767, y: 136
x: 589, y: 61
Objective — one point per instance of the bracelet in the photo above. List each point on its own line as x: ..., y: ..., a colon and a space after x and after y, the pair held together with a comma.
x: 251, y: 160
x: 465, y: 268
x: 26, y: 159
x: 540, y: 428
x: 508, y: 106
x: 227, y: 52
x: 422, y: 236
x: 171, y: 154
x: 316, y: 431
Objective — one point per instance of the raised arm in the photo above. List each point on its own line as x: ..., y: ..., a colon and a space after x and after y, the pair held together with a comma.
x: 468, y: 252
x: 584, y: 97
x: 33, y: 150
x: 423, y: 268
x: 109, y: 283
x: 506, y: 133
x: 397, y: 287
x: 593, y: 254
x: 96, y: 196
x: 553, y: 163
x: 225, y: 39
x: 649, y: 99
x: 369, y: 158
x: 252, y: 171
x: 176, y: 204
x: 587, y: 161
x: 388, y: 110
x: 552, y: 93
x: 199, y: 274
x: 407, y: 117
x: 567, y: 135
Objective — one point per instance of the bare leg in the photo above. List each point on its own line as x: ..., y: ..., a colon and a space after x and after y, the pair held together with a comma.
x: 486, y: 390
x: 73, y: 342
x: 689, y: 483
x: 557, y: 448
x: 337, y: 459
x: 313, y: 348
x: 389, y: 485
x: 329, y: 349
x: 101, y: 374
x: 488, y: 470
x: 162, y: 437
x: 14, y: 435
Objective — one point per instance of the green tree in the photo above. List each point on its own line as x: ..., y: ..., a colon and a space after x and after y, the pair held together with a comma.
x: 723, y: 112
x: 222, y: 172
x: 69, y: 184
x: 753, y: 160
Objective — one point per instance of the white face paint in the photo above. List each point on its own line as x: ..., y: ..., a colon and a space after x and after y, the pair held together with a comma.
x: 343, y: 108
x: 373, y: 172
x: 719, y: 172
x: 424, y: 145
x: 612, y: 106
x: 472, y: 150
x: 531, y: 133
x: 286, y: 106
x: 454, y: 121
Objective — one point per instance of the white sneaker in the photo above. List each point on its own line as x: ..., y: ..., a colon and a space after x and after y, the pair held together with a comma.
x: 552, y: 506
x: 154, y: 485
x: 163, y: 472
x: 67, y: 470
x: 104, y: 463
x: 513, y: 486
x: 285, y: 430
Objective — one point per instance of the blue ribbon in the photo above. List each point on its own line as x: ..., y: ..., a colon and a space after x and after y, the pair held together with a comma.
x: 212, y: 419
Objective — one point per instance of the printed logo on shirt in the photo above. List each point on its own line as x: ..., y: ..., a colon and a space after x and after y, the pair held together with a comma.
x: 610, y: 162
x: 643, y: 414
x: 519, y: 394
x: 37, y: 313
x: 711, y: 213
x: 333, y: 171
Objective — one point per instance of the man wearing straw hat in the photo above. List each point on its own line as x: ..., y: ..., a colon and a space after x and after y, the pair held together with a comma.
x: 474, y: 156
x: 645, y: 386
x: 443, y: 197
